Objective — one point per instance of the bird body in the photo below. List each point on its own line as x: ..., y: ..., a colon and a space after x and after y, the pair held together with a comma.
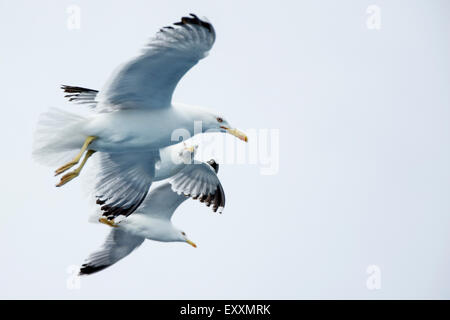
x: 152, y: 220
x: 141, y: 130
x: 150, y: 228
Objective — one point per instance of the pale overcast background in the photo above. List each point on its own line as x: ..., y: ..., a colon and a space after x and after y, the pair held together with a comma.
x: 363, y: 180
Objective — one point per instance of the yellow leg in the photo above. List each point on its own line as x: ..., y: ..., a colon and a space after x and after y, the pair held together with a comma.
x: 73, y: 174
x: 110, y: 223
x: 75, y: 160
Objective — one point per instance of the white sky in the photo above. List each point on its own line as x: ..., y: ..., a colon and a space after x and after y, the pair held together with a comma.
x: 363, y: 179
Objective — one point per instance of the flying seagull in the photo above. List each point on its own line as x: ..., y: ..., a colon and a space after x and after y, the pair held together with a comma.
x: 152, y: 220
x: 134, y: 112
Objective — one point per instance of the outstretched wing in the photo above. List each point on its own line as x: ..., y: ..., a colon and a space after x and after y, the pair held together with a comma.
x: 200, y: 181
x: 149, y: 80
x: 122, y: 181
x: 118, y: 245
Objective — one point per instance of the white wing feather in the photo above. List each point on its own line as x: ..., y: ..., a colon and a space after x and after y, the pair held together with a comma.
x: 118, y: 245
x: 200, y: 181
x: 149, y: 80
x: 120, y: 181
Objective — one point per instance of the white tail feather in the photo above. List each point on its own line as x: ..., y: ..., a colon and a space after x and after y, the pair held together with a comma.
x: 58, y: 137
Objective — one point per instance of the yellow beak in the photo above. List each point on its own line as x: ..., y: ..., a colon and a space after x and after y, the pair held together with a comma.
x: 237, y: 133
x: 191, y: 243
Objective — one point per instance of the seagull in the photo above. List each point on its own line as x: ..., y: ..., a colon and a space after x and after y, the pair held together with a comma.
x: 134, y: 113
x: 152, y: 220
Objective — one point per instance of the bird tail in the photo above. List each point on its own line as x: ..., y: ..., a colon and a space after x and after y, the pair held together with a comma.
x: 58, y: 137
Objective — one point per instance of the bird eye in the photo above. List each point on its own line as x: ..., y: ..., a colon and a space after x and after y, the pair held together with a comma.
x: 219, y: 119
x: 183, y: 233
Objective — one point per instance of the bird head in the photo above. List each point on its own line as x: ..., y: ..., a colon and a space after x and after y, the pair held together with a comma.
x: 215, y: 122
x: 210, y: 121
x: 224, y: 126
x: 184, y: 238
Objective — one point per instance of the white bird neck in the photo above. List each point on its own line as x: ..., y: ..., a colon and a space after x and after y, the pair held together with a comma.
x: 200, y: 118
x: 152, y: 228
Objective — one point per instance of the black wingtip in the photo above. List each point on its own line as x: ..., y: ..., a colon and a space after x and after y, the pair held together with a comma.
x: 113, y: 211
x: 214, y: 165
x: 219, y: 199
x: 74, y: 89
x: 194, y: 20
x: 87, y: 269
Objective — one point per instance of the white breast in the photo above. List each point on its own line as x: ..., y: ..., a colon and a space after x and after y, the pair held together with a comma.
x: 148, y: 227
x: 134, y: 130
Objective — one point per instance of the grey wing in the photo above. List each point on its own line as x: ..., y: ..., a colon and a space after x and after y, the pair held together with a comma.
x: 149, y: 80
x: 117, y: 245
x: 122, y: 180
x: 161, y: 202
x: 80, y: 95
x: 200, y: 181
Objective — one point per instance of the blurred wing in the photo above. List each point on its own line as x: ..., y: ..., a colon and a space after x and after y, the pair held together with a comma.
x: 122, y: 181
x: 118, y: 245
x: 149, y: 80
x: 200, y: 181
x: 80, y: 95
